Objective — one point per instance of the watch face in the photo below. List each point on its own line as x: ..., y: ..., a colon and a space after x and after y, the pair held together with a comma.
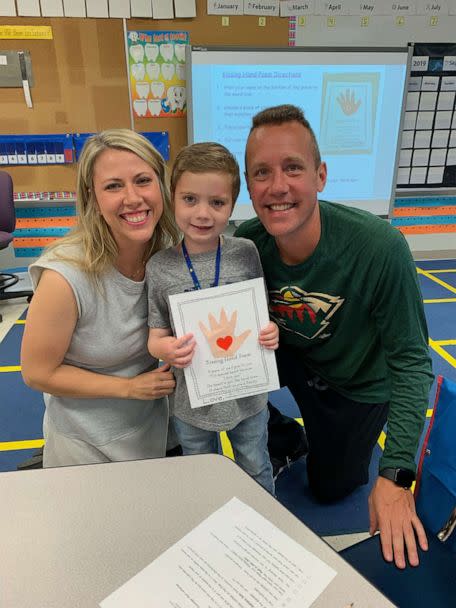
x: 404, y: 478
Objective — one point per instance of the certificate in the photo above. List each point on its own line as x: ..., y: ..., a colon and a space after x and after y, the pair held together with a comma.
x: 233, y: 559
x: 228, y: 362
x: 348, y: 113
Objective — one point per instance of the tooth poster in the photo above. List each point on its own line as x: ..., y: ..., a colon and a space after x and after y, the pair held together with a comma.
x: 157, y: 73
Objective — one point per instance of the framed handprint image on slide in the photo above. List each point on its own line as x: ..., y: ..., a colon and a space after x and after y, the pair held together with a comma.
x: 348, y: 116
x: 229, y: 362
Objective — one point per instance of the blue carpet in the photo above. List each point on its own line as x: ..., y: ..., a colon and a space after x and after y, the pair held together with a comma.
x: 10, y: 460
x: 346, y: 516
x: 451, y: 350
x: 22, y: 409
x: 441, y: 319
x: 10, y: 347
x: 436, y: 264
x: 447, y: 277
x: 17, y: 269
x: 441, y: 367
x: 24, y: 315
x: 284, y: 401
x: 432, y: 290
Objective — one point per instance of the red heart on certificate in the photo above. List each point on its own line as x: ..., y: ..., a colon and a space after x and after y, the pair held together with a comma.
x: 225, y: 342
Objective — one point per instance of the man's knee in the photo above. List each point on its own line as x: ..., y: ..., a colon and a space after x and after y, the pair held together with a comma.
x: 332, y: 487
x: 286, y: 437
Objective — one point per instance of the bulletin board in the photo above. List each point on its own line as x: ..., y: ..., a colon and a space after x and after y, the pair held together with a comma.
x: 81, y: 82
x: 79, y: 86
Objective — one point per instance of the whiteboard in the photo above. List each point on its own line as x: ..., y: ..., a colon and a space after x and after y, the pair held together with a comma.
x: 353, y: 98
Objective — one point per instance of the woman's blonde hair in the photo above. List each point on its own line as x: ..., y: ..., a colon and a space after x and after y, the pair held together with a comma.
x: 92, y: 233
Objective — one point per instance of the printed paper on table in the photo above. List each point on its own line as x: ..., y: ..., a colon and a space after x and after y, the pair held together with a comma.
x: 212, y: 566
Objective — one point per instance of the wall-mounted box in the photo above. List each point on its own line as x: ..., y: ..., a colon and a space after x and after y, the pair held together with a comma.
x: 10, y: 69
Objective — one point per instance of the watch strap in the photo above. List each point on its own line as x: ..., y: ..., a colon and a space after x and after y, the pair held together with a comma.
x: 401, y: 477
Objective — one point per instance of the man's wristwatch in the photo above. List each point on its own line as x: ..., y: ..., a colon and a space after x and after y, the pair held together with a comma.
x: 401, y: 477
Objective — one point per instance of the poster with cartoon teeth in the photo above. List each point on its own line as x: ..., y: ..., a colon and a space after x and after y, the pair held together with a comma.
x: 157, y: 73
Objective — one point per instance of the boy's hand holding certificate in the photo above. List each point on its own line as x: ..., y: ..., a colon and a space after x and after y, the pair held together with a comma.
x: 228, y: 362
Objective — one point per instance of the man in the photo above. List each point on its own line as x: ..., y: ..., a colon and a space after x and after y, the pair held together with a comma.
x: 343, y: 289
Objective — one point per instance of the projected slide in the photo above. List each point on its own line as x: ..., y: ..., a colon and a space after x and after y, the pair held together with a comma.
x: 352, y: 100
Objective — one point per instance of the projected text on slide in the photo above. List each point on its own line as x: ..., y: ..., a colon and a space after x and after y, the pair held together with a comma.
x: 353, y: 106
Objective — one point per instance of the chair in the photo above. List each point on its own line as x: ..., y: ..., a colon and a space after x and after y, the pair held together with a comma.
x: 432, y: 582
x: 11, y: 285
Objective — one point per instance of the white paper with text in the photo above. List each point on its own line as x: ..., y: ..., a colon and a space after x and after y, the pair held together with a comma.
x: 235, y: 558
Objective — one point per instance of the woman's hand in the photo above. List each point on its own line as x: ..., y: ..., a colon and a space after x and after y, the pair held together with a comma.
x: 152, y: 385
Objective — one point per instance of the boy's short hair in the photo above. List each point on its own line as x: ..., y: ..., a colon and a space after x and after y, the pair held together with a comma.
x: 206, y: 157
x: 278, y: 115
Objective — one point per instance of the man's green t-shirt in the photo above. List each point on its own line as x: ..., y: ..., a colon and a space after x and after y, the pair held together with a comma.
x: 354, y: 312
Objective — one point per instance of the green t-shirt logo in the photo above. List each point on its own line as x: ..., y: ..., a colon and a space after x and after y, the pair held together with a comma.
x: 304, y: 313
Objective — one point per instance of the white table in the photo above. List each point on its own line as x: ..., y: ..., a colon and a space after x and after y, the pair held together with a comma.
x: 70, y: 536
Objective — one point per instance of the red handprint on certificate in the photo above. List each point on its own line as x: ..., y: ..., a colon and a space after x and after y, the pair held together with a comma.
x: 221, y: 335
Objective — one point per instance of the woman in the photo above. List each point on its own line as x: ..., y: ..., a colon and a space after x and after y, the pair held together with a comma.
x: 85, y: 340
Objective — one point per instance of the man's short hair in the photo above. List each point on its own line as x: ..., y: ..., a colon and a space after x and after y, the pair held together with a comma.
x: 278, y: 115
x: 206, y: 157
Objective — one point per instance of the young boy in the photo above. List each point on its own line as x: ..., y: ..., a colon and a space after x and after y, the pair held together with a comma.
x: 205, y: 183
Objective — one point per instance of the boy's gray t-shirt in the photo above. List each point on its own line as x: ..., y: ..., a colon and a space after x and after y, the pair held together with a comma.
x: 167, y: 274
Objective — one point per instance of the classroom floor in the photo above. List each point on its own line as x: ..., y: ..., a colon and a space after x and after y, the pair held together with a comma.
x: 343, y: 524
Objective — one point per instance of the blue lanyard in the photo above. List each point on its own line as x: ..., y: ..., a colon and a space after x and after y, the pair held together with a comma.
x: 192, y: 272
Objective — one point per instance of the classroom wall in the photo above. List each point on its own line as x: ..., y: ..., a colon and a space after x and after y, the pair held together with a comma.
x: 81, y: 80
x: 395, y: 30
x: 80, y: 86
x: 378, y: 30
